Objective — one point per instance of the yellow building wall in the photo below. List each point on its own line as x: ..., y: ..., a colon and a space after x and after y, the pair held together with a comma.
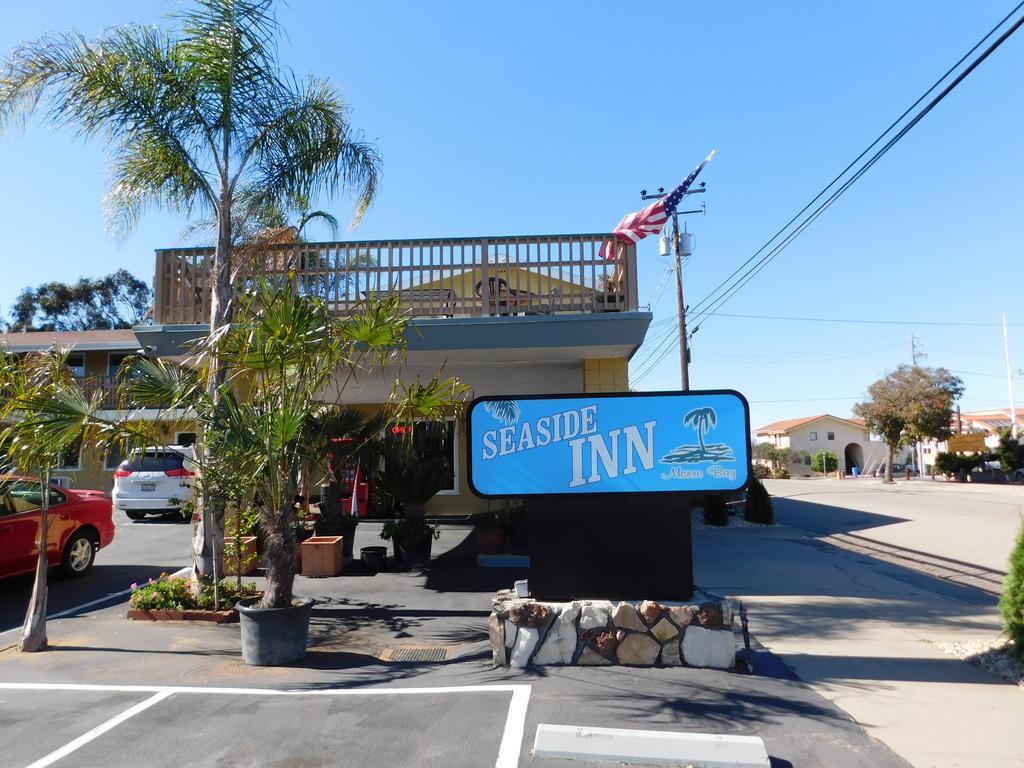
x: 92, y: 473
x: 606, y: 374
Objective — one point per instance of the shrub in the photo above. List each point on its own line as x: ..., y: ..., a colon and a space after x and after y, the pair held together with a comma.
x: 1011, y: 604
x: 780, y: 474
x: 163, y: 595
x: 175, y: 594
x: 824, y: 461
x: 715, y: 510
x: 761, y: 471
x: 758, y: 508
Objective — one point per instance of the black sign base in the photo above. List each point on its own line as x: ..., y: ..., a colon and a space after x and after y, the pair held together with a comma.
x: 610, y: 547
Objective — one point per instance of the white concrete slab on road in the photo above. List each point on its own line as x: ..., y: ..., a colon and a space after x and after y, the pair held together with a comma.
x: 637, y: 747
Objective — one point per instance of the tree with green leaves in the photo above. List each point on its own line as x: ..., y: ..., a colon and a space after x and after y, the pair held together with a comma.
x: 33, y: 444
x: 192, y: 116
x: 777, y: 458
x: 1011, y: 602
x: 119, y: 300
x: 824, y: 462
x: 910, y: 403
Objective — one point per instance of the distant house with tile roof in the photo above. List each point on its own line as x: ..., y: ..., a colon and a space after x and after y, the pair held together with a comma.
x: 848, y: 439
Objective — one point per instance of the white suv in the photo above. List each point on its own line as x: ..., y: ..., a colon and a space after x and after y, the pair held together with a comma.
x: 156, y: 480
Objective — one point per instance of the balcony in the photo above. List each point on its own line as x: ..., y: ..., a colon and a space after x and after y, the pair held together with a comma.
x: 435, y: 278
x: 106, y: 386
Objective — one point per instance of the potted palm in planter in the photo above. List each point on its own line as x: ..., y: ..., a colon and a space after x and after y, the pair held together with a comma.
x: 412, y: 482
x: 258, y: 389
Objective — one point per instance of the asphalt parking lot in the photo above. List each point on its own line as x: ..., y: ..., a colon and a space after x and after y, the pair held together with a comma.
x: 141, y: 550
x: 456, y: 727
x: 117, y: 693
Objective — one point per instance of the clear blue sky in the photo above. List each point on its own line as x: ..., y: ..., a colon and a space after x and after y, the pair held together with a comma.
x: 550, y: 117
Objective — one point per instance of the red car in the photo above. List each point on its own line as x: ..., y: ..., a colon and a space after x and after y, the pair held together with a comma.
x: 80, y: 523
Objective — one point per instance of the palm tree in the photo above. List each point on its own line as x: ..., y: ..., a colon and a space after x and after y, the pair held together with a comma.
x: 192, y: 117
x: 31, y: 443
x: 702, y: 420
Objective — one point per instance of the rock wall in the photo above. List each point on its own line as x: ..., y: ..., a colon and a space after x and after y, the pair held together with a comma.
x: 595, y: 632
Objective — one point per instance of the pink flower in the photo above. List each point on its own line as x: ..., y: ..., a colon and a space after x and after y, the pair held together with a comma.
x: 135, y: 585
x: 150, y: 581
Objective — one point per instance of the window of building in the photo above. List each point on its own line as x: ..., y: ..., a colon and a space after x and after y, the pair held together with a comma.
x: 113, y: 459
x: 76, y: 362
x: 432, y: 438
x: 813, y: 437
x: 807, y: 461
x: 831, y: 435
x: 114, y: 362
x: 71, y: 457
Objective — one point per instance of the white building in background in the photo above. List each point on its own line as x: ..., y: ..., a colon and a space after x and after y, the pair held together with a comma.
x: 987, y: 426
x: 848, y: 439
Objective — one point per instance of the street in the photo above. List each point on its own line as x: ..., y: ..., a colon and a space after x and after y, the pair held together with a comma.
x: 141, y: 550
x: 970, y: 523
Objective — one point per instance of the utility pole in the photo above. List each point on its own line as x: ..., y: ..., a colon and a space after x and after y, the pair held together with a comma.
x: 684, y: 347
x: 1009, y: 380
x: 677, y: 252
x: 914, y: 354
x: 918, y: 447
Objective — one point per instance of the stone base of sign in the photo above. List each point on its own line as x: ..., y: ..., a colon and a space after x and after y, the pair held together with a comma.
x: 525, y: 632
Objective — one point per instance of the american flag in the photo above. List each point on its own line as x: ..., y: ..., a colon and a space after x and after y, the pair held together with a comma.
x: 634, y: 227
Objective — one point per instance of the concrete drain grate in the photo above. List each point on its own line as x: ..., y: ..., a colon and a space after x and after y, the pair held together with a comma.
x: 434, y: 653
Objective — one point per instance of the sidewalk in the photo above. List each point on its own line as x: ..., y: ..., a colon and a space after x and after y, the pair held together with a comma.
x: 861, y: 632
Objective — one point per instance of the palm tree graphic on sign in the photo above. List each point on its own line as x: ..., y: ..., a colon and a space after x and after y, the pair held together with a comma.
x: 505, y: 411
x: 702, y: 420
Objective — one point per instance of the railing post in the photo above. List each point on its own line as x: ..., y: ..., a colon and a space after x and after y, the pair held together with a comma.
x: 632, y: 296
x: 485, y: 283
x: 158, y: 288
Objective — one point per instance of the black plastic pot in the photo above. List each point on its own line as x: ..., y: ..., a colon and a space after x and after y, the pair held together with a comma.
x: 413, y: 554
x: 374, y: 558
x: 345, y: 527
x: 274, y: 636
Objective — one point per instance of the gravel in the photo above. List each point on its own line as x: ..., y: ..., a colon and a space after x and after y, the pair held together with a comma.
x: 993, y: 656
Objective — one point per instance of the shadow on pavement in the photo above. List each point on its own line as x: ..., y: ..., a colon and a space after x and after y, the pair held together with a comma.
x: 455, y: 570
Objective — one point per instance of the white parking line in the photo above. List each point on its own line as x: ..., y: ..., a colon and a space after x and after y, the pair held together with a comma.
x: 92, y: 603
x: 508, y: 750
x: 99, y: 730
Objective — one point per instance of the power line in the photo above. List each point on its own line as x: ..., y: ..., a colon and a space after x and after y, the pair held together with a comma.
x: 862, y: 322
x: 731, y: 288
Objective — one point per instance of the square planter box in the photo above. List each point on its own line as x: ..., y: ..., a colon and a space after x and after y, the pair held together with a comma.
x: 250, y: 558
x: 321, y: 556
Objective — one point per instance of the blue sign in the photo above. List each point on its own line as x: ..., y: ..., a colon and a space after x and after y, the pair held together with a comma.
x: 639, y: 442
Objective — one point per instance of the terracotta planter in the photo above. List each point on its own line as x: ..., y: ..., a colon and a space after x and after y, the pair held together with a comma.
x: 250, y: 558
x: 215, y: 617
x: 491, y: 540
x: 321, y: 556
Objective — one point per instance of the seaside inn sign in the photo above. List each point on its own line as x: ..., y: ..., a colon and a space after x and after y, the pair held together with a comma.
x: 641, y: 442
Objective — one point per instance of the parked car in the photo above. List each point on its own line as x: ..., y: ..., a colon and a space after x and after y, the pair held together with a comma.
x: 80, y: 523
x: 154, y: 481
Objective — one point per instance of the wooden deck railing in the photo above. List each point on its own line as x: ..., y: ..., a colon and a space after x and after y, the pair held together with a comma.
x: 548, y: 274
x: 106, y: 386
